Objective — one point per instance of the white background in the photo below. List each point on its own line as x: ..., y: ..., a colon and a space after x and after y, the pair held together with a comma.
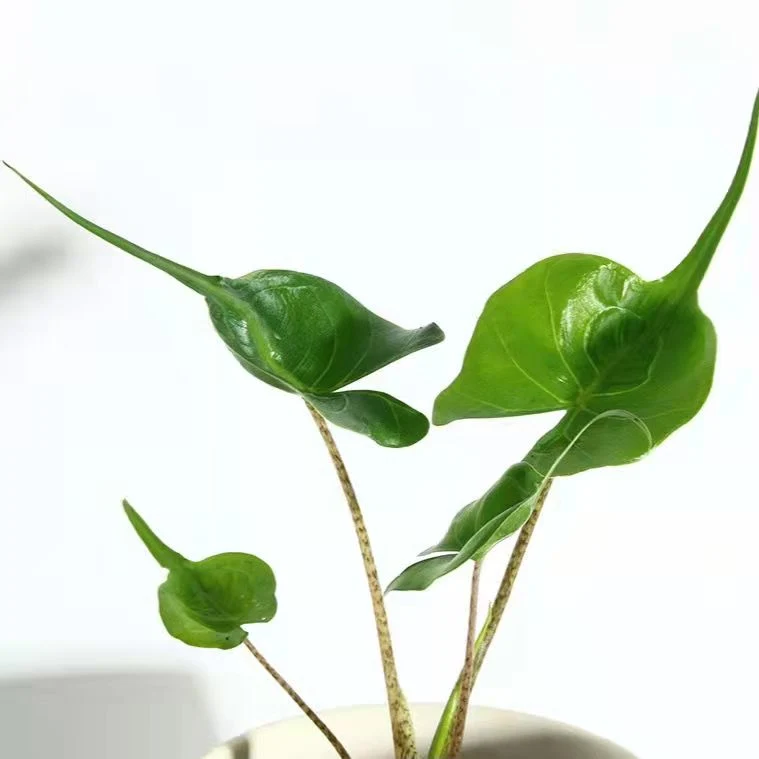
x: 420, y: 154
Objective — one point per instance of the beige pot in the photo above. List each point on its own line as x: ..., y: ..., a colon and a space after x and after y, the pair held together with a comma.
x: 365, y: 731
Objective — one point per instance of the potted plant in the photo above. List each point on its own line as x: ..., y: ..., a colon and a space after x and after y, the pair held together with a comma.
x: 628, y: 361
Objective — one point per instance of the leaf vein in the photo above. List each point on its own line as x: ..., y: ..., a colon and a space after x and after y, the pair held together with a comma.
x: 521, y: 369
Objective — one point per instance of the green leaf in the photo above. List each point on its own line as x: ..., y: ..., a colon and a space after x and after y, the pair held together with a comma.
x: 302, y: 334
x: 182, y: 626
x: 585, y: 335
x: 384, y: 419
x: 484, y: 523
x: 205, y: 603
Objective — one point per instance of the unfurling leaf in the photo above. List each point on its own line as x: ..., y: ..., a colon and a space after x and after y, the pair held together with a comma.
x: 205, y: 603
x: 302, y: 334
x: 484, y: 523
x: 582, y: 334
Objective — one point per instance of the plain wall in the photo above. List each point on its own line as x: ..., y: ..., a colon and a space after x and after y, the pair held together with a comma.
x: 151, y: 714
x: 420, y: 154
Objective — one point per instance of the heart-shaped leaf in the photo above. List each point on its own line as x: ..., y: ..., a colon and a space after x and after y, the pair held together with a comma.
x: 205, y: 603
x: 302, y: 334
x: 583, y: 334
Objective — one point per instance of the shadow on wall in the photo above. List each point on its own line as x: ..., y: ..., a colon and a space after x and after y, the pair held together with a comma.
x: 118, y: 715
x: 24, y: 262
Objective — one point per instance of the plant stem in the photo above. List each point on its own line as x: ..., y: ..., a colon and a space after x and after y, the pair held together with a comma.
x: 447, y: 723
x: 307, y: 710
x: 400, y: 717
x: 509, y: 579
x: 441, y: 740
x: 467, y: 673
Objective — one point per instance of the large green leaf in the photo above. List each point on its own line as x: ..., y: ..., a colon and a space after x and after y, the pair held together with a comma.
x: 302, y: 334
x: 585, y: 335
x: 205, y: 603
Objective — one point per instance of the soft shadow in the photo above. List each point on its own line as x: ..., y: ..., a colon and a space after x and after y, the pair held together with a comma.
x: 27, y: 261
x: 240, y: 749
x: 557, y: 745
x: 118, y: 715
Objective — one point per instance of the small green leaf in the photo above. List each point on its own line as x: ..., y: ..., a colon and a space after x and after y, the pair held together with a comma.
x: 585, y: 335
x: 520, y: 484
x: 302, y: 334
x: 205, y: 603
x: 384, y: 419
x: 484, y: 523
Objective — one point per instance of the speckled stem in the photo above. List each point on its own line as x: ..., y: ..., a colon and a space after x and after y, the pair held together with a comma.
x: 467, y: 673
x: 305, y: 708
x: 400, y: 715
x: 509, y: 578
x: 442, y: 739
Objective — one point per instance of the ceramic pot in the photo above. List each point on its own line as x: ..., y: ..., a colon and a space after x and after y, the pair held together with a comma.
x: 365, y: 732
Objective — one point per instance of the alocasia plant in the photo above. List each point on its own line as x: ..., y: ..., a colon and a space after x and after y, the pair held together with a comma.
x: 628, y: 361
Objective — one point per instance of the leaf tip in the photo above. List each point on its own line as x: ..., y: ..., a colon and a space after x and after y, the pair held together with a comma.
x: 689, y: 273
x: 131, y: 512
x: 440, y: 415
x: 15, y: 171
x: 414, y: 578
x: 164, y: 555
x: 134, y: 518
x: 439, y: 419
x: 434, y: 333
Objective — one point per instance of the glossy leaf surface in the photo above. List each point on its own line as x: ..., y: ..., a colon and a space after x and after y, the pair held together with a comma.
x: 303, y: 334
x: 205, y: 603
x: 585, y: 335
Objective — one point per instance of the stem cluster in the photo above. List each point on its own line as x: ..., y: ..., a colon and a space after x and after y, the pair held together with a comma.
x: 449, y: 736
x: 446, y: 743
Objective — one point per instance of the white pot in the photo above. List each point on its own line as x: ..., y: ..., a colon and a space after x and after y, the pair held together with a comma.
x: 365, y: 732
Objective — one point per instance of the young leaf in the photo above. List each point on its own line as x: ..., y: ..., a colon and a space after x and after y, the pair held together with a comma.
x: 381, y: 417
x: 484, y: 523
x: 303, y: 334
x: 205, y: 603
x: 582, y: 334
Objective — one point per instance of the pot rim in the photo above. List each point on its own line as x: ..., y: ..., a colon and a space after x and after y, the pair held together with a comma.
x: 491, y: 721
x: 426, y: 707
